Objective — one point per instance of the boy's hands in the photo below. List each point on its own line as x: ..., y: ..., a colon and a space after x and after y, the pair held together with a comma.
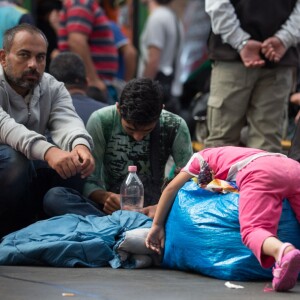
x: 149, y: 211
x: 109, y: 200
x: 156, y: 239
x: 111, y: 203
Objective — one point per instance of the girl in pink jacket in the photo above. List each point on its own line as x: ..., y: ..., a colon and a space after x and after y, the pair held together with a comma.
x: 264, y: 179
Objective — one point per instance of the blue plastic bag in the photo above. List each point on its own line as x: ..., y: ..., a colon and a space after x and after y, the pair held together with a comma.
x: 203, y: 236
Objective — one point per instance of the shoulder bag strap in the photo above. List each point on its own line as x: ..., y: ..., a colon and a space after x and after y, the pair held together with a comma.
x: 155, y: 154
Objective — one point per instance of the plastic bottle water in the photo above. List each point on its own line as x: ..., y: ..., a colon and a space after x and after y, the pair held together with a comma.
x: 132, y: 191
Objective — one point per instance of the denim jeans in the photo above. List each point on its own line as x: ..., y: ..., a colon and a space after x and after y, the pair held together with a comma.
x: 59, y: 201
x: 23, y: 184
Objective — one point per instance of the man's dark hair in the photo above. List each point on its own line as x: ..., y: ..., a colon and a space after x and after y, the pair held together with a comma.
x: 69, y: 68
x: 141, y: 101
x: 9, y: 34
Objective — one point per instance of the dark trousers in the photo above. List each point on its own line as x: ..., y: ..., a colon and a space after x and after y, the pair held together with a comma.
x: 23, y: 184
x: 294, y: 151
x: 59, y: 201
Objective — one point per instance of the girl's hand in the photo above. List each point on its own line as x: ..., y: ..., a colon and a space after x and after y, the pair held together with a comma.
x: 156, y: 239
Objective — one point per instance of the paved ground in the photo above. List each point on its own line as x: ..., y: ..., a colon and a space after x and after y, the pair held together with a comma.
x: 41, y: 283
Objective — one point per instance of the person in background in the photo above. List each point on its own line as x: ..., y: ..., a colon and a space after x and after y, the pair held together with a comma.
x: 69, y: 68
x: 127, y: 54
x: 254, y: 54
x: 264, y: 179
x: 13, y: 13
x: 136, y: 131
x: 194, y: 52
x: 161, y: 45
x: 294, y: 150
x: 31, y: 103
x: 48, y: 21
x: 295, y: 96
x: 85, y: 30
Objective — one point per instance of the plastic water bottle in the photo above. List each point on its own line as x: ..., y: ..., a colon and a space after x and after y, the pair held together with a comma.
x: 132, y: 191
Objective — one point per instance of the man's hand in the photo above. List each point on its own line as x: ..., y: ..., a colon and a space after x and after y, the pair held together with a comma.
x: 149, y: 211
x: 273, y: 49
x: 86, y: 159
x: 66, y: 164
x: 250, y: 55
x: 156, y: 239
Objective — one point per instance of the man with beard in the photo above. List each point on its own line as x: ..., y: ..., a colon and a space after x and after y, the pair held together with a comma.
x: 32, y: 103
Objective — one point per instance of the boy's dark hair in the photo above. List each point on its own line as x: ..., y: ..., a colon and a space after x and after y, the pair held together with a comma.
x: 69, y: 68
x: 9, y: 34
x: 141, y: 101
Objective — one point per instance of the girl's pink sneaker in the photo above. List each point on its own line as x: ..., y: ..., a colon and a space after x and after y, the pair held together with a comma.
x: 286, y: 270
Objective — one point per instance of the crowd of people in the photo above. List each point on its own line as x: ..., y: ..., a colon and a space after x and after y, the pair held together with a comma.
x: 78, y: 106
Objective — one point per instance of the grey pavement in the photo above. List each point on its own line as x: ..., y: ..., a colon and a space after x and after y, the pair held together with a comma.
x: 47, y: 283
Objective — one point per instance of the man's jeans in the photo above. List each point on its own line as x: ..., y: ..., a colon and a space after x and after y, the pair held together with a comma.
x: 59, y: 201
x: 16, y: 173
x: 23, y: 184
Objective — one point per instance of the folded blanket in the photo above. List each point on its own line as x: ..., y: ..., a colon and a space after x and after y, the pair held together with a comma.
x: 71, y: 240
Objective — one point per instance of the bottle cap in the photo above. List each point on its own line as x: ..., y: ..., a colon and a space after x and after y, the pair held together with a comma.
x: 132, y: 168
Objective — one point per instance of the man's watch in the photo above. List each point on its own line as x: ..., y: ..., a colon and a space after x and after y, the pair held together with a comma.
x: 242, y: 45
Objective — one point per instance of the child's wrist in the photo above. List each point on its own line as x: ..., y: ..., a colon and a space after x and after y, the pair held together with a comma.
x: 157, y: 225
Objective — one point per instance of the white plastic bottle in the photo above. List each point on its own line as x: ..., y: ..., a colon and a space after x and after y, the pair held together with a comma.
x: 132, y: 191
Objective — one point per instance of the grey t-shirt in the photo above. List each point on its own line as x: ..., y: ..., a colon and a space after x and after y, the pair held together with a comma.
x: 162, y: 32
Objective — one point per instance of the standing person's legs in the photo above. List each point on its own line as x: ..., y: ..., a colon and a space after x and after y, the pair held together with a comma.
x: 230, y: 91
x: 59, y: 201
x: 16, y: 173
x: 268, y: 107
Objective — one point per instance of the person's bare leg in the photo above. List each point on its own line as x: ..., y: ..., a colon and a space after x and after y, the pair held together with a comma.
x: 272, y: 245
x: 287, y: 266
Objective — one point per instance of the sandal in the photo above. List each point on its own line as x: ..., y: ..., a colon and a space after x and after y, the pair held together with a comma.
x: 286, y: 270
